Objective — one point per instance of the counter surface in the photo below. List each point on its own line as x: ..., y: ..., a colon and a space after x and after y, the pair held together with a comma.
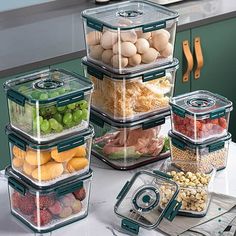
x: 105, y: 186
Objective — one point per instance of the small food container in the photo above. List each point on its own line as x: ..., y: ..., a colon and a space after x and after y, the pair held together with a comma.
x: 49, y: 163
x: 126, y: 146
x: 139, y: 203
x: 195, y: 188
x: 130, y: 36
x: 44, y: 210
x: 200, y: 157
x: 49, y: 104
x: 200, y: 116
x: 131, y: 97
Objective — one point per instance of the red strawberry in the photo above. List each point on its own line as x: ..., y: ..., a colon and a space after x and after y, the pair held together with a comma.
x: 44, y: 202
x: 80, y: 194
x: 56, y: 208
x: 41, y: 217
x: 26, y: 204
x: 15, y: 197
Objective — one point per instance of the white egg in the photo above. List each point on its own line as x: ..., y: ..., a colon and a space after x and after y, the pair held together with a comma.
x: 167, y: 51
x: 142, y: 45
x: 106, y: 56
x: 161, y: 31
x: 135, y: 60
x: 96, y: 52
x: 150, y: 42
x: 140, y: 34
x: 93, y: 38
x: 119, y: 62
x: 128, y: 36
x: 115, y: 48
x: 150, y: 55
x: 128, y: 49
x: 108, y: 39
x: 160, y: 41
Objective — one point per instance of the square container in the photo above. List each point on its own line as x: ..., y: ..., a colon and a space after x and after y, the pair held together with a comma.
x: 51, y: 162
x: 195, y: 188
x: 131, y: 97
x: 49, y: 104
x: 44, y: 210
x: 130, y: 36
x: 126, y: 146
x: 200, y: 157
x: 200, y: 116
x: 139, y: 203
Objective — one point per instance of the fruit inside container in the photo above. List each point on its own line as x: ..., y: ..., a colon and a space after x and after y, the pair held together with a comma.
x: 49, y: 104
x: 49, y: 209
x: 195, y: 187
x: 129, y: 145
x: 48, y: 163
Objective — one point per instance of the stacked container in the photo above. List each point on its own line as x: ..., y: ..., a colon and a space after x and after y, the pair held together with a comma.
x: 199, y: 133
x: 130, y: 61
x: 50, y: 143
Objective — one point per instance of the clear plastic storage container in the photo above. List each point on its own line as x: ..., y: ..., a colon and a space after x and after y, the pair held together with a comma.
x: 44, y: 210
x: 49, y: 104
x: 126, y: 146
x: 139, y: 203
x: 45, y: 164
x: 195, y: 188
x: 131, y: 97
x: 130, y: 36
x: 200, y: 157
x: 200, y: 115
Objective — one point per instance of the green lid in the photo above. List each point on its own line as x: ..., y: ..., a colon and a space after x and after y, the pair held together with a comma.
x: 22, y: 185
x: 67, y: 143
x: 47, y: 86
x: 147, y: 75
x: 139, y: 202
x: 138, y: 11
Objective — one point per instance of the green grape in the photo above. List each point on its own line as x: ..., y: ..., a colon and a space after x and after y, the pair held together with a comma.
x: 51, y: 110
x: 35, y: 94
x: 53, y: 94
x: 71, y: 106
x: 85, y: 114
x: 43, y: 96
x: 61, y: 91
x: 48, y: 131
x: 77, y: 116
x: 42, y: 111
x: 61, y: 109
x: 59, y: 128
x: 67, y: 118
x: 83, y: 104
x: 45, y: 125
x: 58, y: 117
x: 53, y: 123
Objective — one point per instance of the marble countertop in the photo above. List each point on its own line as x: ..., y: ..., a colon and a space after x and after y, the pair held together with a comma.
x: 51, y: 32
x: 106, y: 185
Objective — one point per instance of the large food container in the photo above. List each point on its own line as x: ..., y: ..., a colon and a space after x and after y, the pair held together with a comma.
x: 201, y: 115
x: 132, y: 96
x: 139, y: 203
x: 51, y: 162
x: 126, y: 146
x: 130, y: 36
x: 49, y: 104
x: 195, y: 188
x: 200, y: 157
x: 44, y: 210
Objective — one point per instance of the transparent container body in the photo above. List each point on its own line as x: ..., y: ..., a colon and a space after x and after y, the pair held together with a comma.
x: 140, y: 199
x: 131, y: 97
x: 200, y: 157
x: 52, y: 208
x: 49, y: 104
x: 200, y: 116
x: 195, y: 187
x: 123, y: 38
x: 47, y: 164
x: 126, y: 146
